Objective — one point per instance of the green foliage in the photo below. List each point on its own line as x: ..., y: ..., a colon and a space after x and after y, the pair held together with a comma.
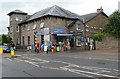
x: 98, y: 37
x: 5, y: 39
x: 113, y: 25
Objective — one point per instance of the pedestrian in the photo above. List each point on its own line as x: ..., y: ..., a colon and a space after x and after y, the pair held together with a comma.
x: 38, y: 46
x: 91, y: 44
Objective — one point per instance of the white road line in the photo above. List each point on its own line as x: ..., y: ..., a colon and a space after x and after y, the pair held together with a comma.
x: 92, y: 73
x: 79, y: 73
x: 10, y: 59
x: 33, y: 63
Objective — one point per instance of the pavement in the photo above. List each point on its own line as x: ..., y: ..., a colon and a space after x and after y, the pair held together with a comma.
x: 106, y: 54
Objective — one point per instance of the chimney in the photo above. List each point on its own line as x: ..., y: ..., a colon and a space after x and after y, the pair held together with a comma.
x: 100, y: 10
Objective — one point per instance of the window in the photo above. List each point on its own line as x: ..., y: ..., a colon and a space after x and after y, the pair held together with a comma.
x: 78, y: 42
x: 28, y: 28
x: 17, y: 29
x: 18, y: 41
x: 20, y: 19
x: 28, y: 40
x: 42, y: 25
x: 78, y: 26
x: 23, y: 40
x: 23, y: 28
x: 34, y: 26
x: 17, y: 18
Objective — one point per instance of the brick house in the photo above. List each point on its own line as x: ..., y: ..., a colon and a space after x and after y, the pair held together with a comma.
x: 54, y: 24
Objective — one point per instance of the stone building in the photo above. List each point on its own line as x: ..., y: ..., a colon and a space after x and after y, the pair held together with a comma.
x: 54, y: 24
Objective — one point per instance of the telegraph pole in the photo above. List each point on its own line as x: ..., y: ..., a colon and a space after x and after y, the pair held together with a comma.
x: 84, y: 34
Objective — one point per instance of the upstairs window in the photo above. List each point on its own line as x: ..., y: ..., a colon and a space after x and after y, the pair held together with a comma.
x: 34, y: 26
x: 78, y: 27
x: 17, y: 18
x: 42, y: 25
x: 17, y: 29
x: 20, y: 19
x: 23, y: 28
x: 28, y: 28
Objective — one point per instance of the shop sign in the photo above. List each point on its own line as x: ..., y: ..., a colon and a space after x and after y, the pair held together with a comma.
x: 59, y: 31
x: 39, y: 33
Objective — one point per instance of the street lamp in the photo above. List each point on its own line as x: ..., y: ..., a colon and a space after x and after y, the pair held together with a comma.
x: 84, y: 34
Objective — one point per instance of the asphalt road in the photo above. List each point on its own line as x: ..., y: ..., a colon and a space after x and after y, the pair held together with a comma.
x: 36, y: 65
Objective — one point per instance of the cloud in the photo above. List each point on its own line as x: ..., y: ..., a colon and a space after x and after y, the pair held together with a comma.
x: 80, y: 7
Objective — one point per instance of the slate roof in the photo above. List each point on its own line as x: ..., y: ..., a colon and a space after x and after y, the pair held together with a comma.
x: 90, y: 16
x: 54, y: 11
x: 17, y: 12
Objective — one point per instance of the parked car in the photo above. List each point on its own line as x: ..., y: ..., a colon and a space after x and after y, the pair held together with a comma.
x: 6, y: 49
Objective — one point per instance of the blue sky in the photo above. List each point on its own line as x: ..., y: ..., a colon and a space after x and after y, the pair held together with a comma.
x: 80, y: 7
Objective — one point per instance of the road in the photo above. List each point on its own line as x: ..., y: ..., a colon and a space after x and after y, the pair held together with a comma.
x: 43, y: 65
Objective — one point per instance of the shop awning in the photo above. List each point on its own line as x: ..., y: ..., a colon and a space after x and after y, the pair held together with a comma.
x: 64, y: 34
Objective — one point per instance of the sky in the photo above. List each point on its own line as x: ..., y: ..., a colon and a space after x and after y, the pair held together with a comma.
x: 80, y: 7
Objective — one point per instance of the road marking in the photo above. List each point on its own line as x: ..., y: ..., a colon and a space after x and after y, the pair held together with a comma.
x: 33, y: 63
x: 92, y: 73
x: 10, y: 59
x: 97, y: 70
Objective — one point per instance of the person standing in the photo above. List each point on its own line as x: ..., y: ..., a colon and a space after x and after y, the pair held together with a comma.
x: 38, y: 46
x: 91, y: 44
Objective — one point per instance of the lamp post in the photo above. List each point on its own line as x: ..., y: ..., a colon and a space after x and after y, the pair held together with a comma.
x: 84, y: 34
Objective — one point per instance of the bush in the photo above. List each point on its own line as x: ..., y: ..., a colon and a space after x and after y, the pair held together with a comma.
x: 98, y: 37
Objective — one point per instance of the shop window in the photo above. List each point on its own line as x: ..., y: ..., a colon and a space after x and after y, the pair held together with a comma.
x: 82, y: 39
x: 78, y: 27
x: 28, y: 40
x: 42, y: 25
x: 78, y: 42
x: 34, y: 26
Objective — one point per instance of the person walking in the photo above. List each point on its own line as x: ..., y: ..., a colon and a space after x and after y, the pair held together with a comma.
x: 38, y: 46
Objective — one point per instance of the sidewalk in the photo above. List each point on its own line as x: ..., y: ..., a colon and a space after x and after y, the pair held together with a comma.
x: 110, y: 53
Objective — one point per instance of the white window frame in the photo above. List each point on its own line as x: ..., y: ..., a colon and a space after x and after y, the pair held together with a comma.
x: 34, y: 26
x: 78, y: 42
x: 77, y: 26
x: 41, y: 24
x: 17, y: 18
x: 17, y: 29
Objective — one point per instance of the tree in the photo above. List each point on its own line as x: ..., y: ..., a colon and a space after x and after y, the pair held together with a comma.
x: 113, y: 25
x: 6, y: 39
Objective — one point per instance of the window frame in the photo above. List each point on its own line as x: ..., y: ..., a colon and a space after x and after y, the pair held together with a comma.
x: 78, y: 40
x: 34, y: 26
x: 77, y: 27
x: 17, y: 29
x: 42, y: 24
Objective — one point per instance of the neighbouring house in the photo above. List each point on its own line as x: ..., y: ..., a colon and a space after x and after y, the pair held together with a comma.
x: 55, y: 24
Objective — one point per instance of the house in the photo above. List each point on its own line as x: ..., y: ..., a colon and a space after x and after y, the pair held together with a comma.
x: 54, y: 24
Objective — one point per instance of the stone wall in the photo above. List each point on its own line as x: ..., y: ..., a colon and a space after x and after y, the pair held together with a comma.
x: 107, y: 42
